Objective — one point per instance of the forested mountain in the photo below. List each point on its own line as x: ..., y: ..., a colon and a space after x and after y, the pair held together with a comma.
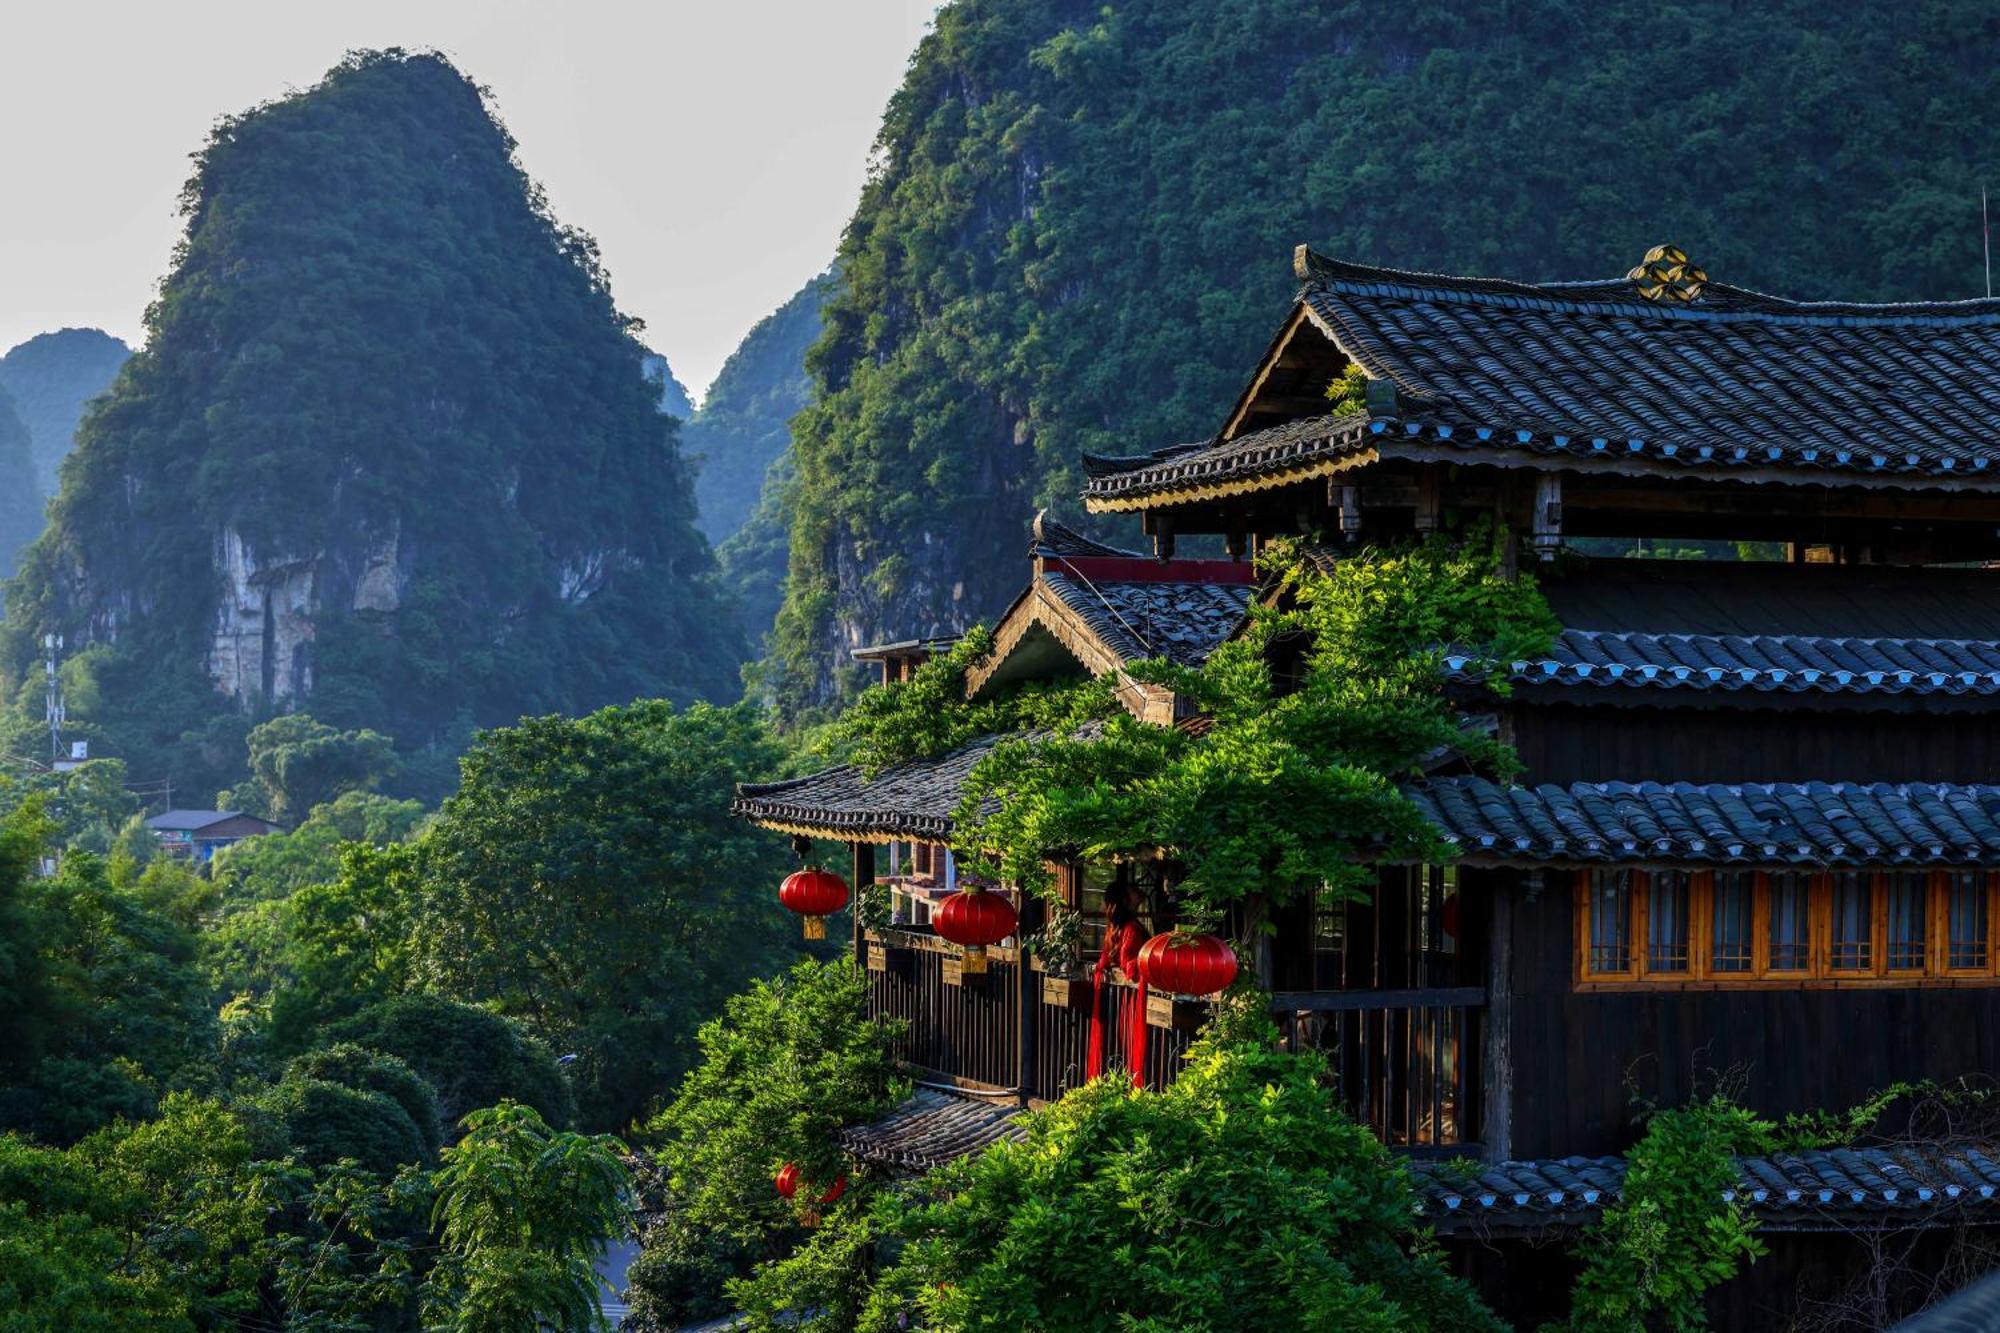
x: 389, y: 453
x: 20, y: 498
x: 1078, y: 232
x: 674, y: 399
x: 52, y: 376
x: 745, y: 420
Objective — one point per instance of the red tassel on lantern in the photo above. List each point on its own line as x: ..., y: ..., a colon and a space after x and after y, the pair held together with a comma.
x: 787, y: 1184
x: 1187, y: 964
x: 973, y: 919
x: 814, y: 894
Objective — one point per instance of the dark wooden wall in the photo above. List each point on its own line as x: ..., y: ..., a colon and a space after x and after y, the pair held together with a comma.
x: 1569, y: 742
x: 1577, y: 1060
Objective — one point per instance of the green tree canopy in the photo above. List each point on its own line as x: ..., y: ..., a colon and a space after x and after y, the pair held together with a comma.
x: 298, y: 765
x: 471, y: 1057
x: 1241, y: 1197
x: 788, y: 1064
x: 588, y: 878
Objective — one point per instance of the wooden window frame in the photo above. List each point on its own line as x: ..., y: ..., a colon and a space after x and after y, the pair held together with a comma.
x: 1819, y: 972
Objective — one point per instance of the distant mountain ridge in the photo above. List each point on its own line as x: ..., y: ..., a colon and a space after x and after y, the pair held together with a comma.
x: 675, y: 400
x: 404, y: 469
x: 20, y: 498
x: 52, y: 377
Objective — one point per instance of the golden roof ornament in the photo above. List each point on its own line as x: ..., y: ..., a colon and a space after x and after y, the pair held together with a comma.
x: 1667, y: 274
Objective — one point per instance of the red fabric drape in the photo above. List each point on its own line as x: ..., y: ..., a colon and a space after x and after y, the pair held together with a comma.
x: 1121, y: 948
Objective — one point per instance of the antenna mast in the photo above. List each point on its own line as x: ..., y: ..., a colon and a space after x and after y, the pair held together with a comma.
x: 52, y: 645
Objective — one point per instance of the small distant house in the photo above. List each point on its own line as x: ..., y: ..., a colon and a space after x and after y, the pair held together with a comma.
x: 199, y: 834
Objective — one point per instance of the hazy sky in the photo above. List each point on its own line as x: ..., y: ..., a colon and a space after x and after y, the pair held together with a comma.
x: 715, y: 148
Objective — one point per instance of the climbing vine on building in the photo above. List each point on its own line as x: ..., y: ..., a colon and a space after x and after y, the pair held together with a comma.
x: 1332, y: 693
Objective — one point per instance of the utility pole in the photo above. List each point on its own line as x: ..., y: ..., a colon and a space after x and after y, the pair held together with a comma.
x: 52, y: 646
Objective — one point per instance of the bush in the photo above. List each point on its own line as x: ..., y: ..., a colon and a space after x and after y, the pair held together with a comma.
x: 364, y: 1070
x: 1243, y: 1196
x: 327, y: 1122
x: 471, y: 1057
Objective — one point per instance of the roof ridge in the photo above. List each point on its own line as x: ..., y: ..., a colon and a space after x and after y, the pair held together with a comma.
x: 1721, y: 301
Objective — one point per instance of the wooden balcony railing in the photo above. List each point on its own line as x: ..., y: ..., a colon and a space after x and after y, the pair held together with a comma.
x: 1406, y: 1061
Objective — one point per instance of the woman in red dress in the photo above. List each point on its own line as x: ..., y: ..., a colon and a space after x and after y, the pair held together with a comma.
x: 1123, y: 934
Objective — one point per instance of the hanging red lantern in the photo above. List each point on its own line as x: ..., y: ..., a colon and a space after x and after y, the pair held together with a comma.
x: 973, y: 919
x: 1187, y: 964
x: 814, y: 894
x: 787, y: 1183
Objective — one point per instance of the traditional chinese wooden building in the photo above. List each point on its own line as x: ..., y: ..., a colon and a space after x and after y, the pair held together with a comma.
x: 1759, y: 825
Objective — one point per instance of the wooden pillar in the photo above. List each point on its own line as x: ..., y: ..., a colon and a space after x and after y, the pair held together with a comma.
x: 1496, y: 1092
x: 864, y: 875
x: 1349, y: 500
x: 1028, y: 1003
x: 1163, y: 537
x: 1429, y: 503
x: 1548, y: 515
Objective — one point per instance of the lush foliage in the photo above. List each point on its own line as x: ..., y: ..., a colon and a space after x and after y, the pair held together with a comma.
x: 470, y: 1057
x: 382, y: 364
x: 278, y: 865
x: 522, y: 1213
x: 1077, y: 235
x: 298, y: 764
x: 1241, y: 1197
x: 929, y: 715
x: 589, y: 878
x: 788, y: 1064
x: 1673, y: 1234
x: 108, y: 1007
x: 1285, y: 790
x: 183, y: 1223
x: 52, y: 376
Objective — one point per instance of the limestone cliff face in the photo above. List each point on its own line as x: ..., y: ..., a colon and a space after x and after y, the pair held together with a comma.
x: 263, y: 623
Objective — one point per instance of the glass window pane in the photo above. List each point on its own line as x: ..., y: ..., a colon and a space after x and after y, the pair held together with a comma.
x: 1909, y: 910
x: 1729, y: 943
x: 1853, y: 921
x: 1966, y: 920
x: 1791, y: 929
x: 1610, y: 921
x: 1667, y: 921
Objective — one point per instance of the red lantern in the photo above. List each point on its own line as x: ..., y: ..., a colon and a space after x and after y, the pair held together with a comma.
x: 787, y: 1184
x: 1187, y: 964
x: 814, y: 894
x: 973, y: 919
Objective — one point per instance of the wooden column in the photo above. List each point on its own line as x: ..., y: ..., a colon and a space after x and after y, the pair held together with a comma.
x: 1496, y: 1093
x: 1028, y: 1001
x: 864, y: 874
x: 1548, y: 515
x: 1429, y: 504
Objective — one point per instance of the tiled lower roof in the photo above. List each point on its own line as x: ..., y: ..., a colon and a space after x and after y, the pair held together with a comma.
x: 931, y: 1128
x: 1870, y: 1188
x: 1774, y: 823
x: 1772, y: 663
x: 913, y: 800
x: 1182, y: 622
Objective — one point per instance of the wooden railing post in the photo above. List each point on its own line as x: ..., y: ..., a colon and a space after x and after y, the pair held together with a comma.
x: 1029, y: 1000
x: 864, y: 875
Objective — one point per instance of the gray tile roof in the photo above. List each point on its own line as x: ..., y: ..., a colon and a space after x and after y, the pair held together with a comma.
x: 931, y: 1128
x: 1778, y: 823
x: 1909, y: 1185
x: 1769, y: 663
x: 913, y: 800
x: 1733, y: 382
x: 1182, y: 622
x: 184, y: 821
x: 1885, y: 1187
